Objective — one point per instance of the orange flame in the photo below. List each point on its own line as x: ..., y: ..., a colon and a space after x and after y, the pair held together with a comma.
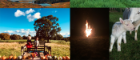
x: 88, y: 29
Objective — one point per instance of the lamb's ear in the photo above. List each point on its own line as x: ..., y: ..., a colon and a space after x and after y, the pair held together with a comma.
x: 139, y: 11
x: 121, y: 20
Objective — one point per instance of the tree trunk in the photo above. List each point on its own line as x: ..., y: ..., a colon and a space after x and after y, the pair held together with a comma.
x: 56, y: 36
x: 47, y: 39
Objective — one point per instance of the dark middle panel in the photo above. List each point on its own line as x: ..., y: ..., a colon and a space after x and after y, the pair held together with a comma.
x: 96, y: 45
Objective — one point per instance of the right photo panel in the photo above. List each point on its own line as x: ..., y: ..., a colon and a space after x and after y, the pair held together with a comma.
x: 124, y: 33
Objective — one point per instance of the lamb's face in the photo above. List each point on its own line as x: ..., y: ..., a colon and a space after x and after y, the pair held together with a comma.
x: 127, y: 24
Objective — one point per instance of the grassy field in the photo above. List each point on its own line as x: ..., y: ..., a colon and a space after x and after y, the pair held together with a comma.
x: 104, y: 3
x: 14, y: 40
x: 89, y: 48
x: 59, y: 47
x: 130, y: 50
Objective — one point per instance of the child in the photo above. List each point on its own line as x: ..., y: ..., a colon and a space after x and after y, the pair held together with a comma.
x: 29, y: 40
x: 29, y: 44
x: 36, y: 42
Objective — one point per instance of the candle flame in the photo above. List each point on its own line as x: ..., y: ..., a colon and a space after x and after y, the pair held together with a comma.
x: 88, y: 29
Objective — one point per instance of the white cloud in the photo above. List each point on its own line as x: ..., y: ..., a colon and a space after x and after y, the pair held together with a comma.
x: 65, y: 34
x: 32, y: 18
x: 28, y: 14
x: 17, y: 30
x: 9, y: 31
x: 19, y: 13
x: 30, y: 11
x: 22, y: 32
x: 32, y: 33
x: 37, y: 15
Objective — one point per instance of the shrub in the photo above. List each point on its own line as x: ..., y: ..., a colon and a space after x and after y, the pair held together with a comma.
x: 5, y: 36
x: 24, y: 37
x: 20, y: 37
x: 15, y: 37
x: 59, y: 37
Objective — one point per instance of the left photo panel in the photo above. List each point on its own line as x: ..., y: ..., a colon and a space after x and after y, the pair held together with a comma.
x: 34, y: 3
x: 34, y: 33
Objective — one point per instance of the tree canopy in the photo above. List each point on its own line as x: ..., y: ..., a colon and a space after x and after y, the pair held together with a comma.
x: 47, y: 27
x: 4, y: 36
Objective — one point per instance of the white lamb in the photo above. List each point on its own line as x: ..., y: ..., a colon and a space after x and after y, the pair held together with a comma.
x: 119, y: 32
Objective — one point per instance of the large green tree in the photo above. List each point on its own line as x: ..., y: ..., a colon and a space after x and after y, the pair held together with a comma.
x: 47, y: 27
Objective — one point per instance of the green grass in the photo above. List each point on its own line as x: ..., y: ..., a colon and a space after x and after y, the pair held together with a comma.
x: 104, y: 3
x: 60, y: 42
x: 130, y: 50
x: 59, y: 47
x: 52, y: 41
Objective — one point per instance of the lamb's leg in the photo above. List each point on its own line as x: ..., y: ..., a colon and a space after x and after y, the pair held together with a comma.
x: 136, y: 30
x: 111, y: 43
x: 119, y: 43
x: 124, y: 37
x: 130, y: 32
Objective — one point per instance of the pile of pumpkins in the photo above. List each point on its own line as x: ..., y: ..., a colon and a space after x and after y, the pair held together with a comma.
x: 10, y: 57
x: 17, y: 58
x: 27, y: 57
x: 49, y: 57
x: 46, y: 57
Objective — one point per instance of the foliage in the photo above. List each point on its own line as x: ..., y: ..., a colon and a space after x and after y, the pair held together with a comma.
x: 15, y: 37
x: 5, y: 36
x: 33, y: 37
x: 24, y: 37
x: 20, y: 37
x: 58, y: 36
x: 104, y: 3
x: 46, y: 27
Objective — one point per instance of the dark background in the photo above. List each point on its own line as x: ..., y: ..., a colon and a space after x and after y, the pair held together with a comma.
x: 96, y: 46
x: 98, y: 18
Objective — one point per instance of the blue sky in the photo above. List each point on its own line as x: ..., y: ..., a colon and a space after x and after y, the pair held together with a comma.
x: 20, y: 20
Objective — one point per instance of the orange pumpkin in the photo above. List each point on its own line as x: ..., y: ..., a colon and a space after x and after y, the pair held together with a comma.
x: 67, y: 58
x: 33, y: 54
x: 23, y: 57
x: 0, y: 56
x: 64, y: 58
x: 29, y: 57
x: 42, y: 57
x: 10, y: 57
x: 46, y: 55
x: 7, y: 58
x: 15, y: 57
x: 46, y: 58
x: 3, y: 58
x: 60, y: 58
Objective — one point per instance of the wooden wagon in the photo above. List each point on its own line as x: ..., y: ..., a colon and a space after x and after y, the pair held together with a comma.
x: 42, y: 50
